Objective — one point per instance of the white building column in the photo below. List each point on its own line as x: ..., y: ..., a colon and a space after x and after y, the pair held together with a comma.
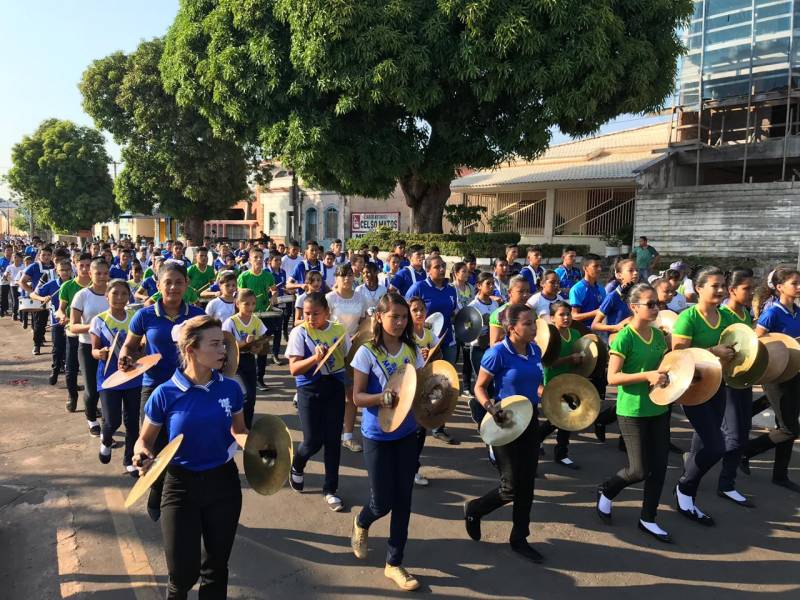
x: 549, y: 215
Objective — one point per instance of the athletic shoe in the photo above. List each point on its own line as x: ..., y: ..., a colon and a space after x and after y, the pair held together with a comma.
x: 404, y: 580
x: 37, y: 350
x: 420, y: 480
x: 445, y: 437
x: 277, y: 361
x: 94, y: 430
x: 296, y: 481
x: 334, y: 502
x: 262, y: 387
x: 358, y: 540
x: 352, y: 445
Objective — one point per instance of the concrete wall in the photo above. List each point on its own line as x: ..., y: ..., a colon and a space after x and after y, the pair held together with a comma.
x: 748, y: 220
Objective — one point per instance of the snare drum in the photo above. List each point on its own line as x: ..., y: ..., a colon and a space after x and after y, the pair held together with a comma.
x: 286, y: 299
x: 30, y: 305
x: 134, y: 306
x: 272, y: 318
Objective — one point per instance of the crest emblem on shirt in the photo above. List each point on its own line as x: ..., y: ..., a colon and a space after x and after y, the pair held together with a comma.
x: 225, y: 403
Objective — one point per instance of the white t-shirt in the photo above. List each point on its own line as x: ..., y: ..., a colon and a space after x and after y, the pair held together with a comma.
x: 288, y: 264
x: 372, y: 297
x: 485, y: 310
x: 541, y: 305
x: 90, y: 304
x: 219, y: 309
x: 347, y: 311
x: 12, y: 274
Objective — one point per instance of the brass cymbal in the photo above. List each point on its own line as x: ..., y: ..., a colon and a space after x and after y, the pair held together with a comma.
x: 793, y: 364
x: 432, y: 352
x: 594, y: 355
x: 468, y: 324
x: 361, y: 337
x: 777, y: 359
x: 665, y: 320
x: 331, y: 349
x: 154, y: 472
x: 570, y: 402
x: 519, y: 412
x: 436, y: 395
x: 231, y: 363
x: 744, y: 342
x: 679, y: 367
x: 707, y: 378
x: 548, y: 339
x: 749, y: 378
x: 403, y: 382
x: 267, y: 455
x: 436, y: 323
x: 119, y: 377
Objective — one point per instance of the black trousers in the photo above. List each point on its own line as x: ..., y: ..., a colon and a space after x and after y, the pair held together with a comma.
x: 708, y: 444
x: 562, y: 439
x: 261, y: 362
x: 647, y: 444
x: 71, y: 368
x: 15, y: 300
x: 199, y: 516
x: 247, y: 372
x: 59, y: 349
x: 119, y: 406
x: 785, y: 401
x: 476, y: 410
x: 607, y: 415
x: 736, y: 423
x: 39, y: 326
x: 89, y: 368
x: 391, y: 467
x: 321, y: 409
x: 466, y: 366
x: 154, y: 497
x: 517, y: 463
x: 5, y: 290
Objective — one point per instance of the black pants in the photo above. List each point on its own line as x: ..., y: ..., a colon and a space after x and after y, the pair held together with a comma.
x: 476, y: 410
x: 391, y: 467
x: 607, y: 415
x: 59, y: 349
x: 39, y: 326
x: 562, y: 439
x: 736, y: 424
x: 154, y: 497
x: 647, y: 444
x: 785, y: 401
x: 708, y: 444
x: 89, y: 369
x: 517, y: 462
x: 199, y: 516
x: 119, y: 405
x: 275, y: 328
x: 15, y: 300
x: 71, y: 368
x: 5, y: 290
x: 466, y: 367
x: 321, y: 409
x: 247, y: 372
x: 261, y: 363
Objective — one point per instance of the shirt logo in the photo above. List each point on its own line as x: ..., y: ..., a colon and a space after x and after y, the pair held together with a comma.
x: 225, y: 403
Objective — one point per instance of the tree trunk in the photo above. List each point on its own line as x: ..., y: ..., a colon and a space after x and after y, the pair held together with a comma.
x: 193, y: 229
x: 427, y: 200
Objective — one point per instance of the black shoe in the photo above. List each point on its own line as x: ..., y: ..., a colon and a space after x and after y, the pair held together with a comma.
x: 53, y: 379
x: 104, y: 458
x: 604, y: 517
x: 600, y: 432
x: 569, y: 465
x: 297, y: 486
x: 94, y: 430
x: 788, y: 484
x: 154, y: 513
x: 674, y: 449
x: 262, y: 387
x: 445, y: 437
x: 691, y: 514
x: 659, y: 536
x: 746, y: 502
x: 744, y: 465
x: 72, y: 404
x: 37, y: 350
x: 525, y: 550
x: 24, y: 324
x: 473, y: 524
x: 277, y: 361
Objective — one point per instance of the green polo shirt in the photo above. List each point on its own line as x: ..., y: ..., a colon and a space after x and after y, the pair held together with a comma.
x: 67, y: 293
x: 260, y: 285
x: 189, y: 296
x: 567, y: 348
x: 693, y: 326
x: 735, y: 318
x: 198, y: 278
x: 639, y: 355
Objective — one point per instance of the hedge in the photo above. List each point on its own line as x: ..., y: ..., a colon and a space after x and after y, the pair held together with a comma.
x: 482, y: 245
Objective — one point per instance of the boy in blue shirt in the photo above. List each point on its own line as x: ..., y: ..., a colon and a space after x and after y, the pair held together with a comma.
x: 568, y: 273
x: 47, y: 292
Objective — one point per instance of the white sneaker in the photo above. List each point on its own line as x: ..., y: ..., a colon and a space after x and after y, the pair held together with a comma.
x: 420, y: 480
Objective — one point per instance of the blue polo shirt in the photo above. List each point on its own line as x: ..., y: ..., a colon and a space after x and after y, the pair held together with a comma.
x: 51, y: 289
x: 513, y: 373
x: 404, y: 262
x: 156, y: 326
x: 473, y: 278
x: 378, y: 263
x: 304, y: 267
x: 777, y: 319
x: 615, y: 308
x: 202, y: 413
x: 117, y: 272
x: 219, y: 264
x: 406, y: 277
x: 150, y: 285
x: 35, y: 272
x: 568, y: 277
x: 280, y: 279
x: 532, y: 275
x: 442, y: 300
x: 586, y: 296
x: 4, y: 262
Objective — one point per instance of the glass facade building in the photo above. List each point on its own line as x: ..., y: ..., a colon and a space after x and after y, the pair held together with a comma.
x: 740, y: 45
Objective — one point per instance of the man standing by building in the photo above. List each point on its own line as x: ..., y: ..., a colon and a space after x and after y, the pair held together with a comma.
x: 645, y: 256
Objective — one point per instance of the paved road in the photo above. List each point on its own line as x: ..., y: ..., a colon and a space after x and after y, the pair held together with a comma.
x: 64, y: 532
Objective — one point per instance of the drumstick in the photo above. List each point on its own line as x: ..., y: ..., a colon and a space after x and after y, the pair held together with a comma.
x: 328, y: 354
x: 432, y: 351
x: 202, y: 287
x: 111, y: 352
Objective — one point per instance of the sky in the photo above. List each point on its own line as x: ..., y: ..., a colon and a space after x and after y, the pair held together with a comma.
x: 45, y: 45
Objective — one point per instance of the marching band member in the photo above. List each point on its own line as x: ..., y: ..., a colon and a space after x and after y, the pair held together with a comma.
x: 120, y: 402
x: 224, y: 306
x: 280, y: 277
x: 312, y: 284
x: 540, y: 301
x: 42, y: 268
x: 88, y: 303
x: 782, y: 316
x: 391, y: 458
x: 614, y: 311
x: 501, y: 281
x: 263, y: 285
x: 201, y: 274
x: 246, y: 328
x: 47, y: 293
x: 321, y: 395
x: 5, y: 285
x: 533, y: 271
x: 411, y: 273
x: 465, y: 292
x: 518, y: 294
x: 513, y: 366
x: 568, y: 273
x: 372, y: 289
x: 66, y: 294
x: 202, y: 495
x: 636, y: 353
x: 700, y: 327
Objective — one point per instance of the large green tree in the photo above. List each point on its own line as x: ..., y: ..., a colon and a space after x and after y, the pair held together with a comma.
x: 171, y: 156
x: 61, y: 173
x: 359, y: 95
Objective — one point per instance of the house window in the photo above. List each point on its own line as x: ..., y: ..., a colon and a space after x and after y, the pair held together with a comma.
x: 331, y: 223
x: 311, y: 224
x: 273, y: 221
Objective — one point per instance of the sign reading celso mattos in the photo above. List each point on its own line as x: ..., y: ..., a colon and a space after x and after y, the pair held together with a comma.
x: 364, y: 222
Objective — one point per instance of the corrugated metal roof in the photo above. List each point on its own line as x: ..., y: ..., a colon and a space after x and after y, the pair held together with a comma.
x: 612, y: 156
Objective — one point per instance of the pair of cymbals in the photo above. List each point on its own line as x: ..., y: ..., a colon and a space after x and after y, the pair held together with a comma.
x: 750, y: 360
x: 694, y: 374
x: 329, y: 353
x: 468, y: 324
x: 120, y: 377
x: 518, y: 411
x: 594, y: 355
x: 361, y: 337
x: 570, y: 402
x: 549, y: 341
x: 267, y: 455
x: 436, y: 395
x: 774, y: 340
x: 160, y: 463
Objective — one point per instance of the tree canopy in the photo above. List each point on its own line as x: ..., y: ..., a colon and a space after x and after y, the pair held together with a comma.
x: 172, y: 157
x: 61, y: 173
x: 359, y: 95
